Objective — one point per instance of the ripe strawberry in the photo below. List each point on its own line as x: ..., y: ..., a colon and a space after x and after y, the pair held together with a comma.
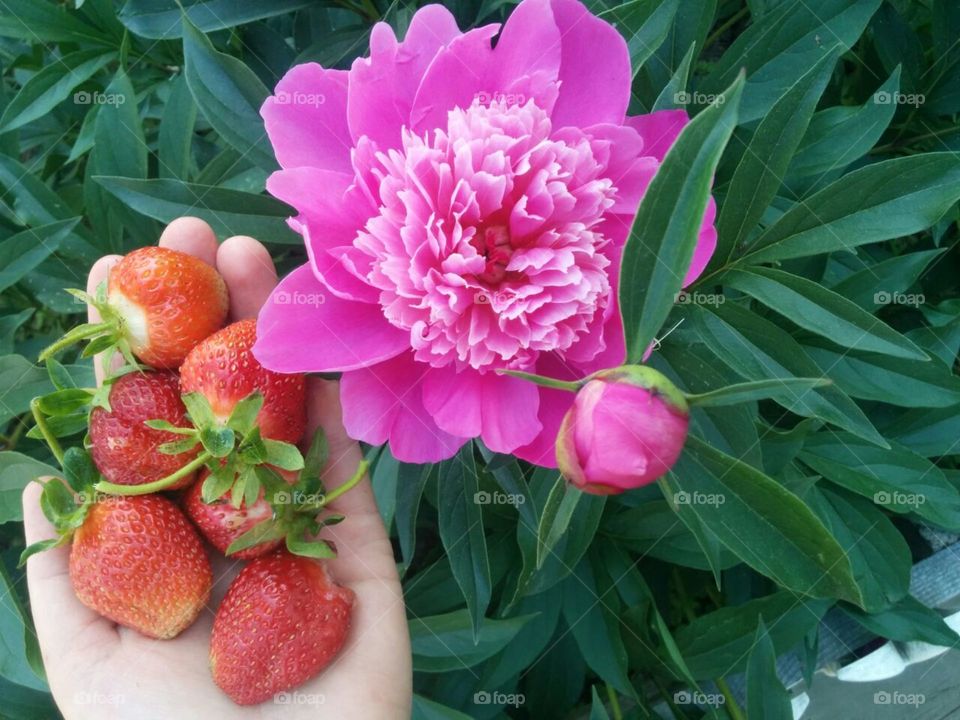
x: 222, y: 369
x: 138, y: 562
x: 159, y: 303
x: 282, y: 621
x: 221, y: 523
x: 124, y: 449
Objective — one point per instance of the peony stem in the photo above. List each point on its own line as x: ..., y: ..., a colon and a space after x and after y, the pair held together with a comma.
x: 569, y: 385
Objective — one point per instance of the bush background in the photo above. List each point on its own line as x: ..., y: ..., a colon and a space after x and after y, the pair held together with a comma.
x: 116, y: 117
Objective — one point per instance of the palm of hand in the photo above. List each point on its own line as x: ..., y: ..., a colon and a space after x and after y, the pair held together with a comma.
x: 99, y: 670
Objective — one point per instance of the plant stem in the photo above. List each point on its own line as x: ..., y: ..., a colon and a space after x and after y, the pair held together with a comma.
x: 571, y: 386
x: 677, y: 712
x: 340, y: 490
x: 733, y: 19
x: 156, y: 485
x: 48, y: 436
x: 614, y: 703
x: 733, y: 710
x: 73, y: 336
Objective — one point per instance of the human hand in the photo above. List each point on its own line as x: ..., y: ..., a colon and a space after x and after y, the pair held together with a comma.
x: 97, y: 669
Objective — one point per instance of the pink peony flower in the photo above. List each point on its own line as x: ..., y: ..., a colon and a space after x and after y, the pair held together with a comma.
x: 625, y: 429
x: 464, y: 208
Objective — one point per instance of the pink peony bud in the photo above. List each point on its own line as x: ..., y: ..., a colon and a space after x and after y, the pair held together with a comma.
x: 625, y: 429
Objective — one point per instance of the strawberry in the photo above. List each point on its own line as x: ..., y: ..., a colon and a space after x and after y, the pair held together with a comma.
x: 221, y: 523
x: 138, y: 562
x: 223, y: 370
x: 281, y: 622
x: 157, y: 305
x: 124, y: 448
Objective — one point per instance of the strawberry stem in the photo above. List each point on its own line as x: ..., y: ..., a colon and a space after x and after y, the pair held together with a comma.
x: 44, y: 429
x: 80, y: 332
x: 340, y: 490
x: 157, y: 485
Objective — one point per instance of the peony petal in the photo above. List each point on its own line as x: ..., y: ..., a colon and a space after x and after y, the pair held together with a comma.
x: 306, y: 118
x: 595, y: 74
x: 553, y: 405
x: 303, y: 327
x: 383, y: 402
x: 509, y: 410
x: 706, y: 244
x: 453, y: 399
x: 382, y: 87
x: 659, y: 130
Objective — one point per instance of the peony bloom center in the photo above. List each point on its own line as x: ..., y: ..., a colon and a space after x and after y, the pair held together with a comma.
x: 486, y: 246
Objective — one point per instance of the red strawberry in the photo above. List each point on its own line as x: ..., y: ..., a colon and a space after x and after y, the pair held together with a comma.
x: 138, y: 562
x: 282, y: 621
x: 222, y: 368
x: 221, y: 523
x: 123, y: 447
x: 159, y: 304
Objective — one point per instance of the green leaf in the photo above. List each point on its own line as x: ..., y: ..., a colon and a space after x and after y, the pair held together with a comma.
x: 664, y: 234
x: 16, y: 471
x: 597, y: 709
x: 763, y: 523
x: 51, y: 86
x: 21, y: 381
x: 446, y: 642
x: 284, y: 455
x: 757, y: 349
x: 756, y: 390
x: 161, y: 19
x: 121, y: 146
x: 840, y: 135
x: 782, y: 45
x: 907, y: 621
x: 871, y: 376
x: 243, y: 417
x: 175, y: 140
x: 644, y: 24
x: 880, y: 284
x: 310, y: 548
x: 819, y: 310
x: 719, y: 643
x: 411, y: 481
x: 198, y: 407
x: 218, y: 441
x: 669, y: 98
x: 261, y: 532
x: 64, y: 402
x: 461, y: 531
x: 9, y: 324
x: 767, y: 698
x: 424, y: 709
x: 178, y: 446
x: 930, y: 433
x: 14, y: 664
x: 23, y: 252
x: 896, y: 479
x: 42, y: 21
x: 555, y: 519
x: 229, y: 94
x: 217, y: 484
x: 885, y: 200
x: 229, y: 212
x: 764, y: 163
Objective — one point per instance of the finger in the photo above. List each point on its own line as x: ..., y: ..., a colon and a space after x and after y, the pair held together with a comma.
x: 363, y: 548
x: 98, y: 273
x: 60, y: 618
x: 192, y: 236
x: 248, y: 269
